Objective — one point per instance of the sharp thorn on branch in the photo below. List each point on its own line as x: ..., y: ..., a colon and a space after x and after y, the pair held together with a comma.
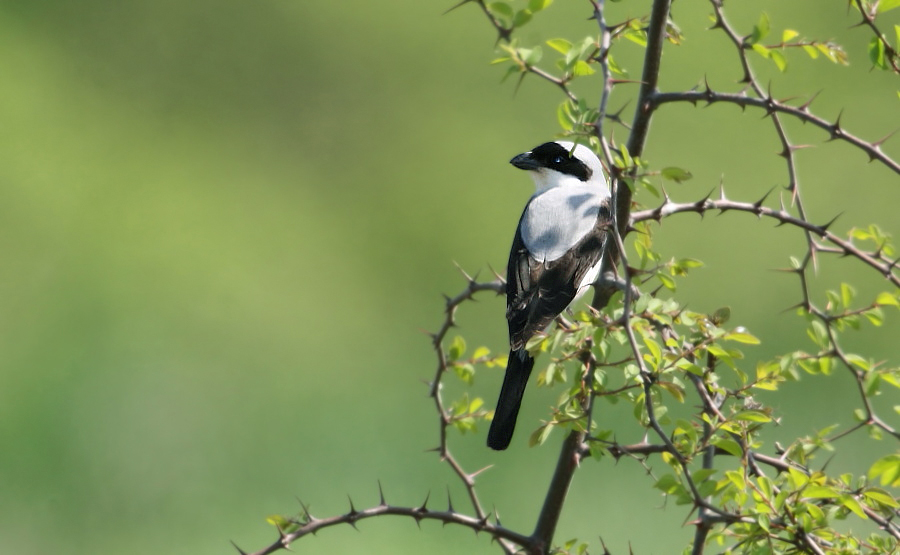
x: 877, y: 144
x: 758, y: 204
x: 239, y: 550
x: 479, y: 471
x: 450, y: 503
x: 836, y: 130
x: 469, y: 278
x: 825, y: 227
x: 451, y: 8
x: 381, y: 501
x: 805, y: 106
x: 283, y: 538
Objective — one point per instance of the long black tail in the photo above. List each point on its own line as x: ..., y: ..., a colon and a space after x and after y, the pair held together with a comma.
x: 504, y: 424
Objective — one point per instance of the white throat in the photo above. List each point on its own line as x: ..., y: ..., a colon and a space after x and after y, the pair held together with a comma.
x: 545, y: 179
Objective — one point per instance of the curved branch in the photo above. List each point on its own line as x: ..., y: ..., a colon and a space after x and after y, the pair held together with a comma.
x: 885, y: 267
x: 770, y: 105
x: 311, y: 525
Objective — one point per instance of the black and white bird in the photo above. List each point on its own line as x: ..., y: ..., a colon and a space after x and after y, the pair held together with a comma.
x: 557, y: 253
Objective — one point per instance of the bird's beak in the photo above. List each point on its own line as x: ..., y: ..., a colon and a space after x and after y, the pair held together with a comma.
x: 524, y: 161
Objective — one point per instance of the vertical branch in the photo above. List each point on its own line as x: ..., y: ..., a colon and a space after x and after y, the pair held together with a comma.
x: 710, y: 407
x: 603, y: 59
x: 569, y: 457
x: 640, y: 126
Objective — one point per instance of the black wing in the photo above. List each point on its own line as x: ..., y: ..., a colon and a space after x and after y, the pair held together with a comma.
x: 537, y: 292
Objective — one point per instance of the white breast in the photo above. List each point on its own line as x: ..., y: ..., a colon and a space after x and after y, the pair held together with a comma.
x: 557, y: 218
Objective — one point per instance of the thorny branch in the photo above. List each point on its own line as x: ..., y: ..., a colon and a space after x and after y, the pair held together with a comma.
x: 576, y: 446
x: 308, y: 524
x: 771, y: 105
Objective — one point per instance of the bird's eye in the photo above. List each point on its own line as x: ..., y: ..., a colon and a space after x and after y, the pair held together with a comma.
x: 558, y: 160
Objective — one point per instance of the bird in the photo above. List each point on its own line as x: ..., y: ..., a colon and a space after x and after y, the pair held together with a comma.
x: 556, y: 255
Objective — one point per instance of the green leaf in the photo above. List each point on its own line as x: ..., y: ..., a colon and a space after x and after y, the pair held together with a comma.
x: 674, y: 390
x: 736, y: 478
x: 742, y: 337
x: 667, y: 281
x: 875, y: 316
x: 761, y: 50
x: 677, y: 175
x: 540, y: 435
x: 509, y: 71
x: 565, y: 115
x: 616, y: 68
x: 654, y: 349
x: 779, y: 59
x: 638, y: 37
x: 876, y: 53
x: 882, y: 497
x: 531, y: 56
x: 752, y: 416
x: 560, y: 45
x: 858, y: 361
x: 521, y: 18
x: 885, y: 298
x: 798, y: 478
x: 818, y: 333
x: 457, y: 348
x: 789, y: 34
x: 729, y: 446
x: 761, y: 29
x: 538, y: 5
x: 668, y: 483
x: 278, y: 521
x: 887, y: 469
x: 851, y: 503
x: 820, y: 492
x: 721, y: 316
x: 582, y: 68
x: 847, y: 294
x: 501, y: 9
x: 833, y: 52
x: 887, y: 5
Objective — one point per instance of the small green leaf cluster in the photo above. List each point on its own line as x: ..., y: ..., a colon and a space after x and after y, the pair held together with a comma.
x: 884, y: 53
x: 654, y: 355
x: 511, y: 18
x: 464, y: 413
x: 779, y: 512
x: 571, y: 547
x: 791, y: 38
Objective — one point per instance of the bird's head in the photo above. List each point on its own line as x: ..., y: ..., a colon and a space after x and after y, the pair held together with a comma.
x: 561, y: 163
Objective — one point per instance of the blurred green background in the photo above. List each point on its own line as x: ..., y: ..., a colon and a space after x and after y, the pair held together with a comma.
x: 224, y: 226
